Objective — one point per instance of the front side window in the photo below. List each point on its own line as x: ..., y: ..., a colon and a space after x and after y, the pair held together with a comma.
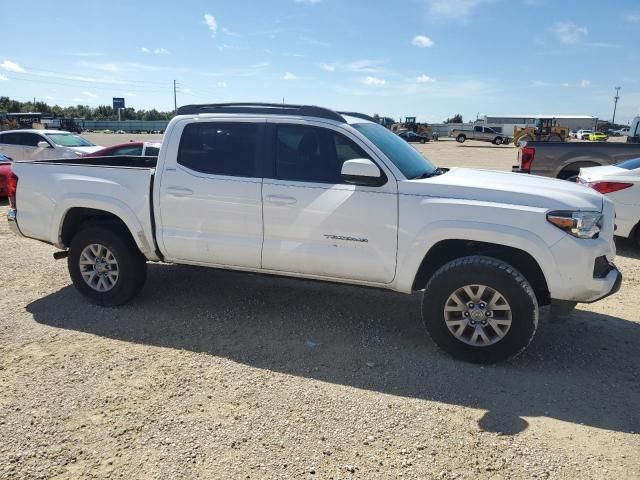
x: 27, y: 139
x: 69, y: 140
x: 312, y: 154
x: 220, y: 148
x: 128, y: 150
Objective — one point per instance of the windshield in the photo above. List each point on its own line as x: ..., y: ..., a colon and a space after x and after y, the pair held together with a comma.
x: 69, y: 140
x: 403, y: 155
x: 630, y: 164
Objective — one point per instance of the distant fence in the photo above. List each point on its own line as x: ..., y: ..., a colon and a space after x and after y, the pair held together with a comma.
x: 125, y: 125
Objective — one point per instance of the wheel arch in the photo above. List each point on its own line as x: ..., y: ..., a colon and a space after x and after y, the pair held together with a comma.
x: 445, y: 251
x: 76, y: 218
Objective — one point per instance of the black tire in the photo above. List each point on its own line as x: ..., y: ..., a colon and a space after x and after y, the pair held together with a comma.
x: 461, y: 138
x: 495, y: 274
x: 131, y: 264
x: 497, y: 140
x: 422, y: 140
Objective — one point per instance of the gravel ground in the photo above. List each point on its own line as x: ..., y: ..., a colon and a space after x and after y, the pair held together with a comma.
x: 214, y: 374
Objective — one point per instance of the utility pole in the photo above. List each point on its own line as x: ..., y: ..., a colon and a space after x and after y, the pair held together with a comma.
x: 175, y: 100
x: 615, y: 104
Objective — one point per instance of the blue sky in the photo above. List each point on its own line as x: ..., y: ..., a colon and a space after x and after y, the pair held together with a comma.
x: 426, y: 58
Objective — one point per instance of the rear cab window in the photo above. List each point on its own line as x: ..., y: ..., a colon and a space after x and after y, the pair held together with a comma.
x: 221, y: 148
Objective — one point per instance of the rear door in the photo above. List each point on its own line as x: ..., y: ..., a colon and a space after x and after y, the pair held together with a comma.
x: 316, y: 224
x: 210, y: 204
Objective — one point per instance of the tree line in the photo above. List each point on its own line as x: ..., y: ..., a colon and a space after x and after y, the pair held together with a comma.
x: 101, y: 112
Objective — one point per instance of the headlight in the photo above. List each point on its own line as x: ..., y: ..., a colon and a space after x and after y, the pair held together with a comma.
x: 578, y: 224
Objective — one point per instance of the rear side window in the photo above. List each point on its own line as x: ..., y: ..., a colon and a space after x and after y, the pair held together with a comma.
x: 312, y: 154
x: 220, y: 148
x: 151, y: 152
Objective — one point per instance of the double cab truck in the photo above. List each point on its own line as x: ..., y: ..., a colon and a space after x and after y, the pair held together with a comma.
x: 309, y: 192
x: 478, y: 132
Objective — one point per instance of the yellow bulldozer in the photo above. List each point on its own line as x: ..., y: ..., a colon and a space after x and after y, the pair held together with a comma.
x: 411, y: 125
x: 545, y: 130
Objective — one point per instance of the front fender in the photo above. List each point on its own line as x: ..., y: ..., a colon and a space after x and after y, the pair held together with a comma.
x: 498, y: 234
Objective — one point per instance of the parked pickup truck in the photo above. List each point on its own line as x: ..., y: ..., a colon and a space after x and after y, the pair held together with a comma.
x: 484, y: 134
x: 309, y: 192
x: 564, y: 160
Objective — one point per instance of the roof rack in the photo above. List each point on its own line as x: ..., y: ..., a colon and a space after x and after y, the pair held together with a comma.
x: 363, y: 116
x: 261, y: 109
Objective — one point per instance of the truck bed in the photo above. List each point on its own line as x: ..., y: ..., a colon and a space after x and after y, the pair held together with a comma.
x: 49, y: 189
x: 552, y: 158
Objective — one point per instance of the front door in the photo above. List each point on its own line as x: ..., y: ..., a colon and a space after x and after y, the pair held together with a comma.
x: 210, y: 195
x: 316, y: 224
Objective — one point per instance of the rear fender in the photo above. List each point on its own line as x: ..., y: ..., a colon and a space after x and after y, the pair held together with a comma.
x: 141, y: 235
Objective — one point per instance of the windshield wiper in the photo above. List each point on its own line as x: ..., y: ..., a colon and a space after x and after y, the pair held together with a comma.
x: 435, y: 173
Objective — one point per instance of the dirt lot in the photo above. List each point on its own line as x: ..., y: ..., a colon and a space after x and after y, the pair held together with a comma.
x: 213, y: 374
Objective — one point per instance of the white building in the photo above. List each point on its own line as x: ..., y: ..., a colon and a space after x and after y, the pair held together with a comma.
x: 508, y: 122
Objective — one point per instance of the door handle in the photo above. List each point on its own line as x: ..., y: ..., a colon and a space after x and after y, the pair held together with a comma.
x: 179, y: 191
x: 281, y: 199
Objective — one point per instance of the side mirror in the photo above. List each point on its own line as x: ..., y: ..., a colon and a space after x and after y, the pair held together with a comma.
x: 43, y: 144
x: 361, y: 171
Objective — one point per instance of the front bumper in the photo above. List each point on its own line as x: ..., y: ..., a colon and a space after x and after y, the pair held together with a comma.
x: 615, y: 275
x: 13, y: 222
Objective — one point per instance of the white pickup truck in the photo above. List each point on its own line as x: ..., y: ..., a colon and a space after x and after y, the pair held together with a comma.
x: 309, y: 192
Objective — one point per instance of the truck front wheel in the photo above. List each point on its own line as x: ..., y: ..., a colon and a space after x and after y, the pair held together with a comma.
x: 480, y: 309
x: 461, y: 138
x: 106, y: 266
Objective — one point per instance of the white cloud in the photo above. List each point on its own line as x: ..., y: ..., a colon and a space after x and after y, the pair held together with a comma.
x: 422, y: 41
x: 48, y: 97
x: 459, y: 10
x: 365, y: 66
x: 210, y: 21
x: 309, y: 2
x: 289, y: 76
x: 568, y: 32
x: 77, y: 100
x: 130, y: 94
x: 328, y: 67
x: 425, y: 79
x: 374, y: 81
x: 584, y: 83
x: 222, y: 84
x: 144, y: 50
x: 161, y: 51
x: 90, y: 94
x: 10, y: 66
x: 632, y: 17
x: 3, y: 78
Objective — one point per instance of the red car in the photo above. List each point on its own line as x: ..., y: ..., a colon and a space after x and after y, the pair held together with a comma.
x: 5, y: 174
x: 136, y: 149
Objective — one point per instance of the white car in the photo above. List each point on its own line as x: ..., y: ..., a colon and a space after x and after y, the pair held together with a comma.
x: 308, y: 192
x: 621, y: 184
x: 583, y: 134
x: 44, y: 144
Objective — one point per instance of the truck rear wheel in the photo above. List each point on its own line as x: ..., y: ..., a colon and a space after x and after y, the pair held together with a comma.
x: 106, y: 266
x: 461, y: 138
x: 497, y: 140
x: 480, y: 309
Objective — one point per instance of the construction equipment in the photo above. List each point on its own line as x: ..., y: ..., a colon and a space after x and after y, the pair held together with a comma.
x: 545, y: 130
x: 411, y: 125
